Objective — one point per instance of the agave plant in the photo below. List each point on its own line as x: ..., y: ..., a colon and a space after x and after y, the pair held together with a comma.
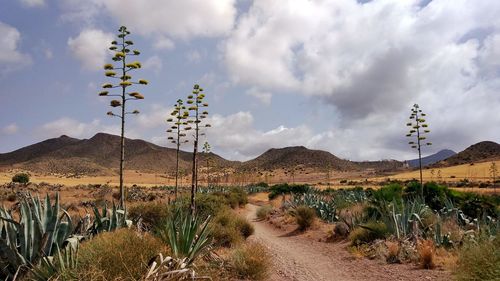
x: 325, y: 207
x: 168, y: 268
x: 58, y: 267
x: 405, y: 218
x: 39, y: 231
x: 107, y: 220
x: 187, y: 236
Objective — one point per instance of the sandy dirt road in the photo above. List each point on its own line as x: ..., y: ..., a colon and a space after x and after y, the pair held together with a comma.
x: 302, y: 259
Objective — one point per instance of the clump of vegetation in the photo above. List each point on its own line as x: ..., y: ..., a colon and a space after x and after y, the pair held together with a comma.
x: 389, y: 193
x: 285, y: 188
x: 264, y: 211
x: 251, y: 261
x: 426, y: 253
x: 229, y: 230
x: 368, y: 232
x: 304, y: 216
x: 479, y: 261
x: 151, y: 215
x: 122, y: 254
x: 21, y: 178
x: 244, y: 226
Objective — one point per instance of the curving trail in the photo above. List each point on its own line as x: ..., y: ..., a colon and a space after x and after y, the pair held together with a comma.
x: 301, y: 259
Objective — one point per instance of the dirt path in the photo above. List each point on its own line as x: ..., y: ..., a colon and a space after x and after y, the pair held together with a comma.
x: 302, y: 259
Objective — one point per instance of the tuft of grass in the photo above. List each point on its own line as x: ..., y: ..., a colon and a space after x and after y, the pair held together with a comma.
x: 426, y: 254
x: 118, y: 255
x: 368, y: 232
x: 251, y: 261
x: 263, y: 212
x: 393, y: 249
x: 304, y: 216
x: 224, y: 230
x: 479, y: 261
x: 244, y: 226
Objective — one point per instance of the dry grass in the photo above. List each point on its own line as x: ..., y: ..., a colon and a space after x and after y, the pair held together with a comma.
x: 477, y: 171
x: 251, y: 261
x: 104, y: 257
x: 426, y: 254
x: 479, y: 261
x: 263, y: 212
x: 393, y: 249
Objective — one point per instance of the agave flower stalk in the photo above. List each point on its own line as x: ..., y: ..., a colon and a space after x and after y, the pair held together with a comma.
x: 196, y: 115
x: 177, y: 131
x: 120, y: 71
x: 418, y: 130
x: 206, y: 151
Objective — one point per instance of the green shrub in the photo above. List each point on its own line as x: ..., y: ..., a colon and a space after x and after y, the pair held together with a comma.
x: 389, y: 193
x: 152, y: 214
x: 435, y: 195
x: 224, y: 230
x: 244, y: 226
x: 285, y: 188
x: 479, y: 261
x: 263, y: 212
x: 206, y: 204
x: 21, y: 178
x: 251, y: 261
x: 368, y: 232
x: 122, y: 254
x: 304, y: 216
x: 236, y: 197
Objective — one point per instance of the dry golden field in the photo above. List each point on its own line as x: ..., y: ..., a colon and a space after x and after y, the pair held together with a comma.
x: 473, y: 172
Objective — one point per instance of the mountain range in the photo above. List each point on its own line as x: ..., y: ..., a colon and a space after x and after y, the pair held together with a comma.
x: 99, y: 155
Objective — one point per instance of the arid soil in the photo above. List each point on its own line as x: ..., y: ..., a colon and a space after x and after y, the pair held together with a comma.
x: 297, y: 257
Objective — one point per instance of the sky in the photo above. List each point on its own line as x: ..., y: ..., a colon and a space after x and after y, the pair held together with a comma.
x: 336, y: 75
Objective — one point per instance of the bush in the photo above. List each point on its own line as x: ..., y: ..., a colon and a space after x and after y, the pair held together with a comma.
x: 285, y: 188
x: 305, y: 217
x: 389, y: 193
x: 435, y: 195
x: 153, y: 214
x: 122, y: 254
x: 244, y: 226
x: 479, y: 261
x: 236, y: 197
x: 251, y: 261
x: 426, y: 253
x: 368, y: 232
x: 21, y: 178
x: 263, y: 212
x: 224, y: 230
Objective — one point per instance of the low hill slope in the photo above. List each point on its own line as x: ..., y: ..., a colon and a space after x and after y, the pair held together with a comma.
x: 481, y: 151
x: 431, y: 159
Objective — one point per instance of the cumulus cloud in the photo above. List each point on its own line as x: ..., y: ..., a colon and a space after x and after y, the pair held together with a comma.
x: 371, y: 61
x: 183, y: 19
x: 153, y: 63
x: 10, y: 129
x: 163, y: 43
x: 91, y: 47
x: 10, y: 56
x: 33, y: 3
x: 262, y: 96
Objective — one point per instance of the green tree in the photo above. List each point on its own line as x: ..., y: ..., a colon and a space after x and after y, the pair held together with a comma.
x: 196, y: 116
x: 177, y: 132
x: 418, y: 130
x: 120, y: 70
x: 206, y: 152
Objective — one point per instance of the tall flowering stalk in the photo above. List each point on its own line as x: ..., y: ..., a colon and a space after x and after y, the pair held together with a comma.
x: 196, y: 115
x: 177, y: 133
x: 418, y: 130
x: 120, y: 70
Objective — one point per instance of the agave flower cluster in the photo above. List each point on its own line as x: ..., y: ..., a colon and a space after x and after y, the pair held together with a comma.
x: 418, y: 128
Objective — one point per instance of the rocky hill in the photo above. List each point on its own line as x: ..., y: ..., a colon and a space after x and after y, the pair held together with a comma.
x: 431, y: 159
x: 481, y: 151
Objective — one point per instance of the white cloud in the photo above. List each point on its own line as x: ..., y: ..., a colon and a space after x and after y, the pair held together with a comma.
x: 372, y: 61
x: 262, y: 96
x: 154, y: 63
x: 163, y: 43
x: 10, y: 129
x: 193, y: 56
x: 75, y: 128
x: 91, y: 48
x: 183, y: 19
x: 10, y: 57
x: 33, y: 3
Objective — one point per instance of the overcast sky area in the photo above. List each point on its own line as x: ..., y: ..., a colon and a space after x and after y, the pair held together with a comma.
x: 337, y: 75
